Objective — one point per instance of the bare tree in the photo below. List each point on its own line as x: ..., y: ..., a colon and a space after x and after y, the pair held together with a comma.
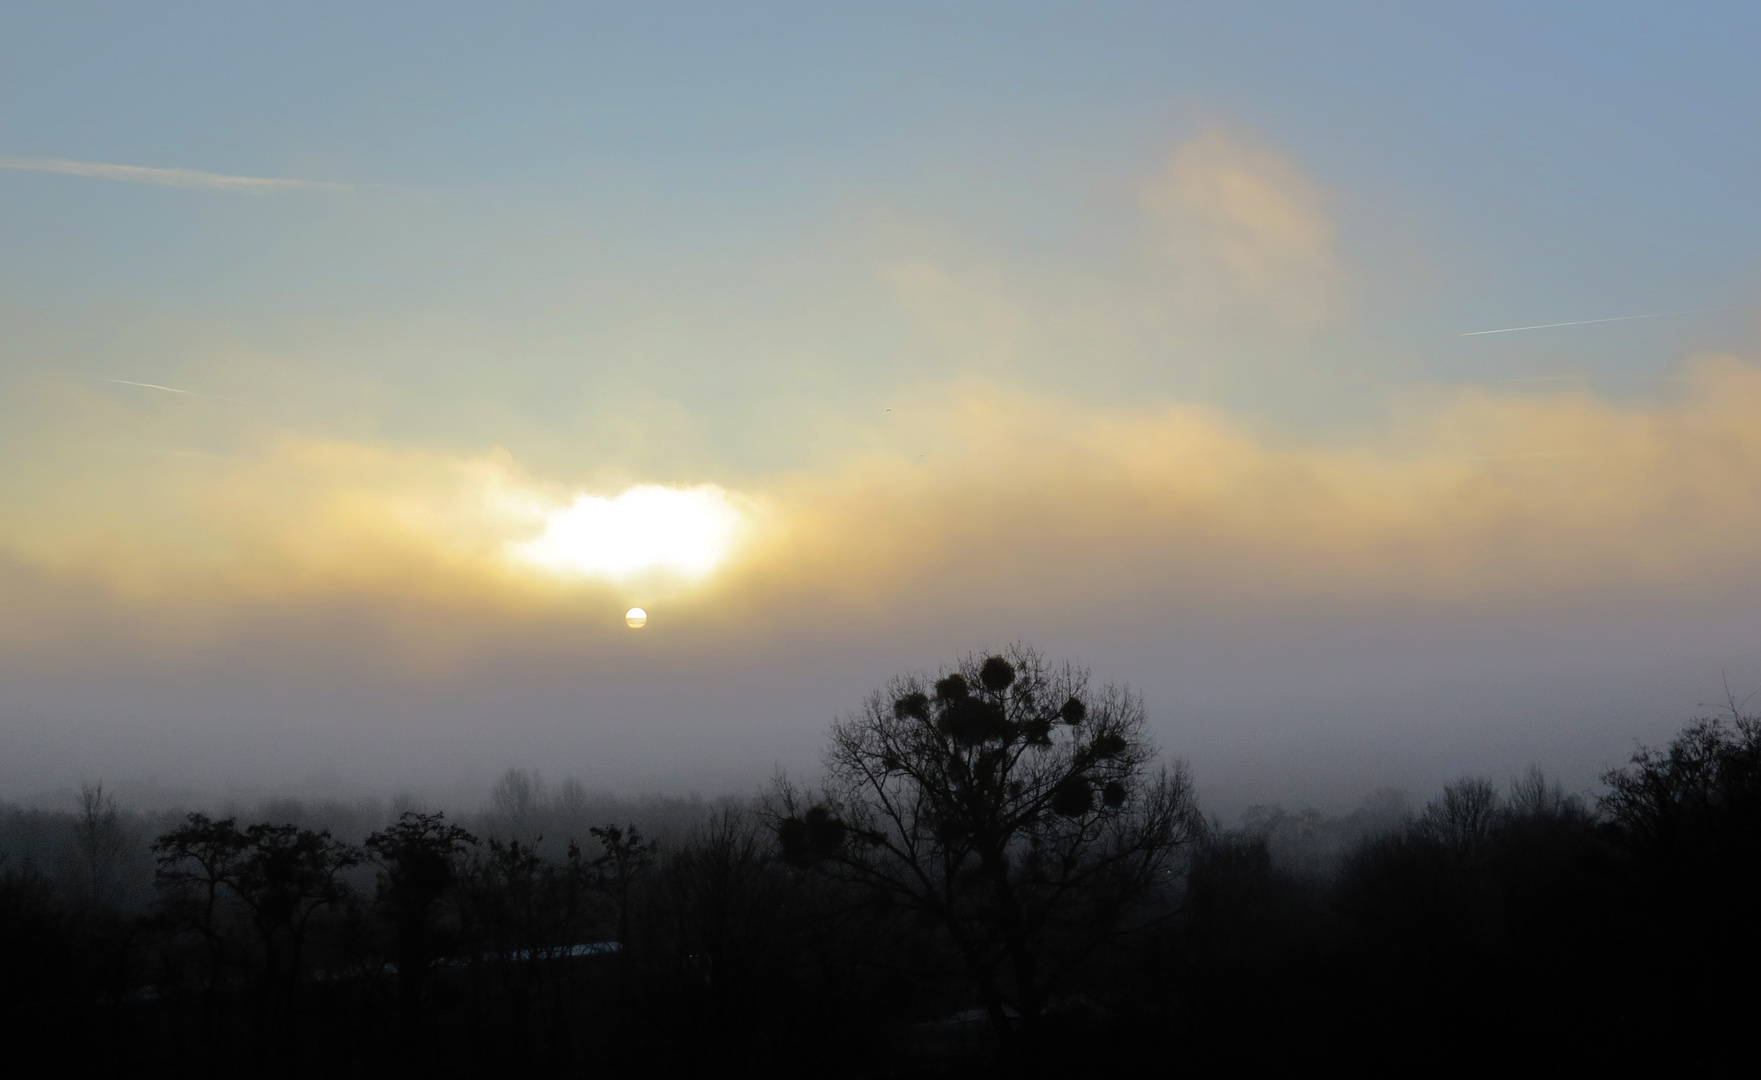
x: 97, y: 830
x: 1533, y: 796
x: 419, y: 861
x: 530, y: 912
x: 718, y: 932
x: 1688, y: 818
x: 626, y: 854
x: 1462, y: 818
x: 515, y: 802
x: 1705, y: 784
x: 281, y: 876
x: 285, y: 876
x: 1008, y: 803
x: 198, y: 861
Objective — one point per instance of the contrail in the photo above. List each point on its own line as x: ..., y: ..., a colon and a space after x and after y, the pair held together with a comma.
x: 173, y: 390
x: 1580, y: 322
x: 155, y: 386
x: 143, y: 174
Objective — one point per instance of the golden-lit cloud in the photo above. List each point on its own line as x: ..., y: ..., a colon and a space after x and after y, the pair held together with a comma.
x: 1246, y: 228
x: 1006, y: 501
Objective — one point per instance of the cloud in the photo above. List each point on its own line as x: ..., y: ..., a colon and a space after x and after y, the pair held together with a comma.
x: 1020, y: 505
x: 1245, y: 227
x: 142, y: 174
x: 1476, y: 500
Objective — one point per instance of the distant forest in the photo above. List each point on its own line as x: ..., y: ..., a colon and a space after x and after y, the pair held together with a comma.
x: 995, y: 874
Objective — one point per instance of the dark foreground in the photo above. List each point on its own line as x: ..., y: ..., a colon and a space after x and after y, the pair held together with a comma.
x: 1521, y: 931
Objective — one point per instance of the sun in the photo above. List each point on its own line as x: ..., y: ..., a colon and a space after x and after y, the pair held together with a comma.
x: 682, y: 532
x: 635, y: 618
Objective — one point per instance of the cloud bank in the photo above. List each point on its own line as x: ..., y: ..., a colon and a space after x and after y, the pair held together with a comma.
x: 1013, y: 503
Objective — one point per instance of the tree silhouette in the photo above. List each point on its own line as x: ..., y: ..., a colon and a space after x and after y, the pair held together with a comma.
x: 1009, y: 804
x: 98, y: 832
x: 1463, y: 817
x: 46, y: 987
x: 514, y: 801
x: 281, y: 875
x: 197, y: 864
x: 418, y: 858
x: 1701, y: 792
x: 1688, y: 818
x: 626, y: 854
x: 284, y: 876
x: 521, y: 914
x: 718, y: 935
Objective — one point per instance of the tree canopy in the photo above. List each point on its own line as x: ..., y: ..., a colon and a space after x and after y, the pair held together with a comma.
x: 1010, y: 803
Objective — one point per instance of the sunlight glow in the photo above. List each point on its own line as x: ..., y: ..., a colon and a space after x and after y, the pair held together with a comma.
x: 682, y: 531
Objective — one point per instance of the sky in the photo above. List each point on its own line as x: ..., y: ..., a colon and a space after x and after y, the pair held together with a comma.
x: 362, y: 364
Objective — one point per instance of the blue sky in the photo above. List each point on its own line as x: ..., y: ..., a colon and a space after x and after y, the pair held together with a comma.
x: 1534, y: 163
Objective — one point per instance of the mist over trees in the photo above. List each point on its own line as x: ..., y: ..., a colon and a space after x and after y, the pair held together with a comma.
x: 995, y: 870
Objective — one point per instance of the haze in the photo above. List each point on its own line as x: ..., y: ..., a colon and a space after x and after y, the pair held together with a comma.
x: 362, y: 365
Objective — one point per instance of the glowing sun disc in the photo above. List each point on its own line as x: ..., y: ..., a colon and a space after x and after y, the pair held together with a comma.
x: 635, y: 618
x: 683, y: 532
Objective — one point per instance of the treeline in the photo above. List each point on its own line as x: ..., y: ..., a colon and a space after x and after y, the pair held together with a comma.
x: 995, y: 872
